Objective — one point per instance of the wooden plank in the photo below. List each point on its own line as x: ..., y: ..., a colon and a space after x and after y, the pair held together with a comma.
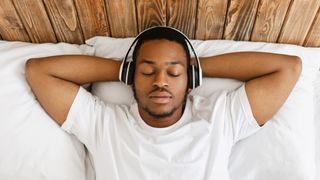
x: 64, y: 20
x: 313, y: 38
x: 122, y: 18
x: 93, y: 18
x: 240, y: 19
x: 269, y: 20
x: 150, y: 13
x: 211, y: 16
x: 34, y: 17
x: 11, y: 27
x: 299, y: 20
x: 182, y: 15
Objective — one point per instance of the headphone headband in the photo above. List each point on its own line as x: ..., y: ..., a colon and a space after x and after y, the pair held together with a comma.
x: 124, y: 70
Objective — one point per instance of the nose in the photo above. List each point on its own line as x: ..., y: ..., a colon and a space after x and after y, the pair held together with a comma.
x: 160, y: 79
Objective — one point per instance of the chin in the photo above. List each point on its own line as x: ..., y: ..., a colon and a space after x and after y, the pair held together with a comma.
x: 161, y: 114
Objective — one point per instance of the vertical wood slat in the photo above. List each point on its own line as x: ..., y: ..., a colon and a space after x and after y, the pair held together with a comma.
x: 64, y: 20
x: 182, y: 15
x: 122, y: 18
x: 269, y: 20
x: 313, y: 38
x: 35, y: 20
x: 150, y: 13
x: 11, y: 26
x: 93, y: 18
x: 210, y: 19
x: 240, y: 19
x: 298, y: 21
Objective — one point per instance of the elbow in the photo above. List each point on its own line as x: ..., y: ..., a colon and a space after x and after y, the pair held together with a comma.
x: 31, y: 67
x: 295, y: 66
x: 29, y: 64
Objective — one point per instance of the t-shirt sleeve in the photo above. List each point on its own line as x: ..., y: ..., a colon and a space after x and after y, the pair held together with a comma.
x: 88, y: 118
x: 240, y: 122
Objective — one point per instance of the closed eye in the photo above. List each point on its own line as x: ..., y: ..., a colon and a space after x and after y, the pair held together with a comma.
x: 174, y: 74
x: 174, y: 71
x: 147, y: 73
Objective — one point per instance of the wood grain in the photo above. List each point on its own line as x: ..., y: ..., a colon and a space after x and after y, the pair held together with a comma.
x: 298, y: 21
x: 93, y: 18
x: 269, y: 20
x: 313, y: 38
x: 11, y: 26
x: 72, y: 21
x: 122, y: 18
x: 34, y: 17
x: 240, y: 19
x: 182, y: 15
x: 65, y: 21
x: 150, y: 13
x: 211, y: 15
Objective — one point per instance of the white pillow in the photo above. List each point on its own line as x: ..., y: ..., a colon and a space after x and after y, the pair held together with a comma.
x: 32, y: 145
x: 284, y: 148
x: 317, y: 120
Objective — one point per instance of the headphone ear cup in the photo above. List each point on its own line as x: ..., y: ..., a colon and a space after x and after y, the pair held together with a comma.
x: 127, y: 72
x: 196, y: 77
x: 190, y: 77
x: 193, y: 77
x: 130, y: 75
x: 123, y: 71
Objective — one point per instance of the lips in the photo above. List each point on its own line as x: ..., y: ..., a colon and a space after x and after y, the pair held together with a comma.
x: 160, y: 97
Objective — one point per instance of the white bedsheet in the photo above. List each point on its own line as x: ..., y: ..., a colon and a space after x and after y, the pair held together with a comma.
x: 317, y: 121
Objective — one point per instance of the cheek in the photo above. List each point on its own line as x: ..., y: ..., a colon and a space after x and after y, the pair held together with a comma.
x: 181, y: 81
x: 142, y: 82
x: 179, y: 86
x: 142, y: 86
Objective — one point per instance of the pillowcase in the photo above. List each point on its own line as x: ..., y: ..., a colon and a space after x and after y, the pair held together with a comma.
x: 317, y: 121
x: 284, y: 148
x: 32, y: 145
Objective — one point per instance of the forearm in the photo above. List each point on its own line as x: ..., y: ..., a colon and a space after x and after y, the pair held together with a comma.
x: 55, y: 80
x: 246, y: 65
x: 78, y: 69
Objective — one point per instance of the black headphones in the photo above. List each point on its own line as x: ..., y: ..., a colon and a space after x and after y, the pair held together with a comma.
x: 126, y: 72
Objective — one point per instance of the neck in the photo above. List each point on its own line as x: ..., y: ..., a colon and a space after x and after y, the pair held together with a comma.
x: 160, y: 122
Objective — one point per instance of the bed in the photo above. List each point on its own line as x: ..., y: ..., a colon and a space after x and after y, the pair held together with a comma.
x: 34, y: 147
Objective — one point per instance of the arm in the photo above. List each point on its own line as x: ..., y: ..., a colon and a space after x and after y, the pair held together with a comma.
x: 55, y: 80
x: 269, y: 77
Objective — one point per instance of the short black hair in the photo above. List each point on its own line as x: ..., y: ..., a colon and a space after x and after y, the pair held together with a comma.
x: 162, y: 33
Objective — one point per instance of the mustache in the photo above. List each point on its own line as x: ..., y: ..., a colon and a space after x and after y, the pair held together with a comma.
x: 161, y: 89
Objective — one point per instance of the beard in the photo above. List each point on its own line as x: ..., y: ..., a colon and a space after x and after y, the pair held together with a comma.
x: 161, y: 115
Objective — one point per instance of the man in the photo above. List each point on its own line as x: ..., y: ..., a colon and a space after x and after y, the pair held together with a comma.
x: 165, y: 134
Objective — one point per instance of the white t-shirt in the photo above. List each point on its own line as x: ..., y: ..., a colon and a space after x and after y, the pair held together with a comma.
x: 122, y: 146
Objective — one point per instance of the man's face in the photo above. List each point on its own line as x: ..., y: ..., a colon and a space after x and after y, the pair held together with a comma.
x: 160, y: 81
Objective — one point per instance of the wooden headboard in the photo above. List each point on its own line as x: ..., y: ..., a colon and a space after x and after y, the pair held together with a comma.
x: 74, y: 21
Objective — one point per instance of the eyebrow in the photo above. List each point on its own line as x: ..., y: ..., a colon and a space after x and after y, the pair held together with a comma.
x: 146, y: 61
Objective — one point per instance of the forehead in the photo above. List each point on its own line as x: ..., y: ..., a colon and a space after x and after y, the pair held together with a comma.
x: 161, y: 51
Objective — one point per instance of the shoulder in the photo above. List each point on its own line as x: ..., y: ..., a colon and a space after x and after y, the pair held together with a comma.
x: 87, y: 102
x: 199, y: 100
x: 221, y: 101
